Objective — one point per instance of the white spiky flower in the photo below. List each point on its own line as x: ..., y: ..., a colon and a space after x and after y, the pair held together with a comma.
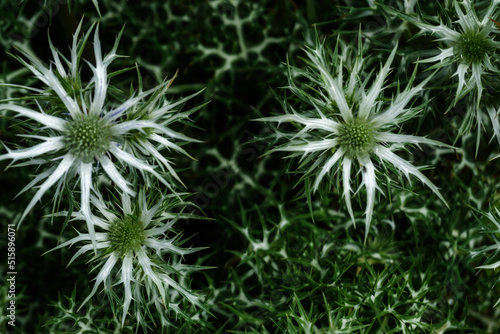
x: 135, y: 249
x: 80, y: 130
x: 470, y: 52
x: 471, y: 46
x: 343, y: 122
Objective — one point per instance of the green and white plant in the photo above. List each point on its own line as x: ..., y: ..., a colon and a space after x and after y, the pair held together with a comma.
x: 86, y: 133
x: 468, y: 54
x: 279, y: 262
x: 80, y: 129
x: 471, y: 46
x: 491, y: 251
x: 343, y: 125
x: 132, y: 241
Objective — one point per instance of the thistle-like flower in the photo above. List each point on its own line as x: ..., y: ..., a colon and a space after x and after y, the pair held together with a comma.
x: 80, y: 130
x: 470, y: 52
x: 133, y: 240
x: 342, y: 122
x: 470, y: 46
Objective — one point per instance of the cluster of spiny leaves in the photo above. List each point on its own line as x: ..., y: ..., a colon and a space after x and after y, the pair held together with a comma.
x: 302, y: 277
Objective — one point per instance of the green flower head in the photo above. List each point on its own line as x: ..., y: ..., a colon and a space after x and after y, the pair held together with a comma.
x: 346, y: 124
x: 138, y: 248
x: 79, y: 133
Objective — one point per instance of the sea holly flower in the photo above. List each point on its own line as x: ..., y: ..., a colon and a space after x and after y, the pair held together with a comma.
x: 470, y: 51
x: 344, y: 125
x: 80, y: 130
x: 471, y: 46
x: 136, y: 246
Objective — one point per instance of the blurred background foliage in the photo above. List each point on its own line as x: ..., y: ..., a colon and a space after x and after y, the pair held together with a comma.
x: 279, y: 266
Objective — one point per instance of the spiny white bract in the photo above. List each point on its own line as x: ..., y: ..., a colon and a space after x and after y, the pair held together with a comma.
x: 471, y: 45
x: 135, y: 249
x: 470, y: 53
x: 341, y: 122
x: 80, y: 130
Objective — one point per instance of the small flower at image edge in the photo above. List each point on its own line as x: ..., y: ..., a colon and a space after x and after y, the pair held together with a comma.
x: 348, y: 123
x: 133, y: 241
x: 83, y: 132
x: 471, y: 48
